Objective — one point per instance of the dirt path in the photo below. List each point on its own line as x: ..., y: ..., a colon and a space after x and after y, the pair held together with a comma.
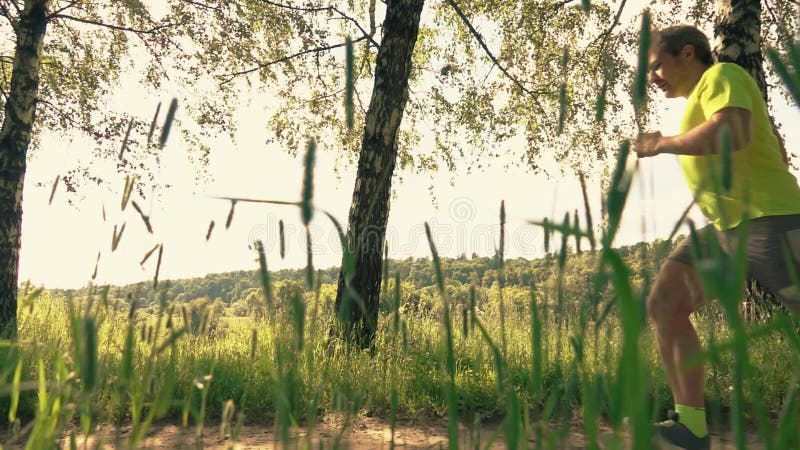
x: 362, y: 434
x: 366, y: 434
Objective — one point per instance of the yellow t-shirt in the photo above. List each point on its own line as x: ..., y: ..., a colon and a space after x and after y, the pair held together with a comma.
x: 761, y: 183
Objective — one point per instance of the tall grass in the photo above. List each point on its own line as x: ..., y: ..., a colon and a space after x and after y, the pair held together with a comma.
x: 152, y: 368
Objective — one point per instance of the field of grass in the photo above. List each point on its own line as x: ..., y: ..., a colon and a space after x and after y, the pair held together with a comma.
x: 535, y: 370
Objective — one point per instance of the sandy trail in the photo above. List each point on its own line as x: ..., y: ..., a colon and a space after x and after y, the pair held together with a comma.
x: 363, y: 433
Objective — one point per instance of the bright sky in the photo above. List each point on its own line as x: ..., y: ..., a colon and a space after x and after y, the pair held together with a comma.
x: 60, y: 243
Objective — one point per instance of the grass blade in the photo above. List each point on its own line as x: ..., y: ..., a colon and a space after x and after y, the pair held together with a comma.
x: 546, y: 228
x: 436, y: 263
x: 126, y: 193
x: 153, y: 125
x: 588, y: 211
x: 640, y: 84
x: 617, y: 193
x: 15, y: 389
x: 791, y: 81
x: 173, y: 106
x: 282, y: 238
x: 96, y: 266
x: 349, y: 85
x: 125, y: 140
x: 309, y: 260
x: 501, y: 250
x: 600, y: 106
x: 158, y: 265
x: 253, y: 344
x: 450, y: 364
x: 266, y: 283
x: 306, y: 205
x: 348, y: 260
x: 53, y: 190
x: 89, y: 363
x: 562, y: 92
x: 147, y: 255
x: 210, y: 229
x: 116, y: 236
x: 145, y: 219
x: 230, y: 215
x: 577, y: 225
x: 726, y: 149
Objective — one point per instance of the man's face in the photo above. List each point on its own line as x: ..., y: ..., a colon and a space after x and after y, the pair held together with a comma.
x: 669, y: 72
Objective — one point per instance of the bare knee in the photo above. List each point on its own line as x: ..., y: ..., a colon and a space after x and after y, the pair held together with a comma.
x: 665, y: 307
x: 675, y: 295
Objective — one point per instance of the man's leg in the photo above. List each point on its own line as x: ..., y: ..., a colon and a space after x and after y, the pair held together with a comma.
x: 675, y: 295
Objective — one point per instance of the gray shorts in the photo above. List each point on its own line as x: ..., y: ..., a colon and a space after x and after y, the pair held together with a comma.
x: 773, y: 242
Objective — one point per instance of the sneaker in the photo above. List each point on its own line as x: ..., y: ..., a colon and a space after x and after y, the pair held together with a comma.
x: 678, y: 435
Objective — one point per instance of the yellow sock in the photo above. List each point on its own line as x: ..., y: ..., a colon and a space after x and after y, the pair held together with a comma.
x: 693, y: 418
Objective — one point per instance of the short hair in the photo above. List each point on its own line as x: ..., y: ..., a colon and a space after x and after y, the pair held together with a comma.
x: 673, y: 39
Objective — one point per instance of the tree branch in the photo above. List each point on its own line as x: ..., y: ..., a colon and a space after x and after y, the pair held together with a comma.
x: 562, y: 3
x: 781, y: 30
x: 155, y: 55
x: 115, y: 27
x: 203, y: 5
x: 604, y: 37
x: 227, y: 78
x: 59, y: 11
x: 488, y: 52
x: 69, y: 118
x: 17, y: 7
x: 296, y: 8
x: 367, y: 35
x: 608, y: 31
x: 7, y: 14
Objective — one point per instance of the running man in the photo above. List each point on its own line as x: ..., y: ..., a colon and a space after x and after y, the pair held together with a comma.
x: 719, y: 96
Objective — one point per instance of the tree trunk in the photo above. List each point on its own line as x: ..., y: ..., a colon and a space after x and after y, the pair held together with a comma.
x: 737, y: 33
x: 357, y: 304
x: 15, y: 136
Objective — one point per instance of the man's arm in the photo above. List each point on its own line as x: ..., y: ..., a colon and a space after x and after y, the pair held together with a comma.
x: 702, y: 139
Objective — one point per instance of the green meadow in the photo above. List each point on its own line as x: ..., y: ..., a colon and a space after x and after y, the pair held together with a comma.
x: 539, y: 349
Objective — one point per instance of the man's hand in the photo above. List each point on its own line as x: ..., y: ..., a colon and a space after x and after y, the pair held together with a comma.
x: 647, y: 144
